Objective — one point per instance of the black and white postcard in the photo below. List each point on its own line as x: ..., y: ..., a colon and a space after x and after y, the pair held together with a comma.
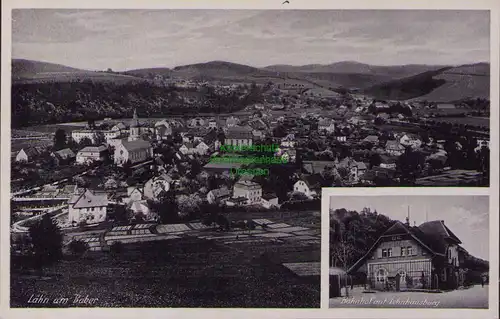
x: 409, y: 251
x: 166, y: 157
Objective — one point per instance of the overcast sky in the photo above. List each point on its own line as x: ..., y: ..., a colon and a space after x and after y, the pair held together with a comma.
x: 466, y: 216
x: 130, y: 39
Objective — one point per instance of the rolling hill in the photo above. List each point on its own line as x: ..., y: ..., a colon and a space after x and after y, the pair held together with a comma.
x: 28, y: 71
x: 447, y: 84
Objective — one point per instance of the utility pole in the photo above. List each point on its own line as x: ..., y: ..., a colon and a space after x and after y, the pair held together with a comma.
x: 345, y: 267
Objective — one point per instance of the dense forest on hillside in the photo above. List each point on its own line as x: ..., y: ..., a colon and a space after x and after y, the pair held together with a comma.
x: 55, y: 102
x: 353, y: 234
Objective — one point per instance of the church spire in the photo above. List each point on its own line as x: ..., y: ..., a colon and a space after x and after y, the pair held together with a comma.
x: 135, y: 120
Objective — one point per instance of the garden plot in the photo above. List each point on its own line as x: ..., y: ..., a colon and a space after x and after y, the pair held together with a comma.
x: 262, y: 221
x: 290, y: 229
x: 162, y: 229
x: 274, y: 235
x: 117, y: 233
x: 140, y: 231
x: 121, y: 228
x: 137, y: 237
x: 311, y: 232
x: 143, y: 239
x: 198, y: 226
x: 143, y: 226
x: 279, y: 225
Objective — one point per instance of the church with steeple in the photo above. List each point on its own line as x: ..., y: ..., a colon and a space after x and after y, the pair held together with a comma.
x: 135, y: 128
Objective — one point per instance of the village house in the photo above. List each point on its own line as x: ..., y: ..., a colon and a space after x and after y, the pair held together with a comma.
x: 157, y: 185
x: 269, y: 200
x: 249, y: 190
x: 141, y: 208
x: 135, y: 151
x: 134, y: 193
x: 199, y: 148
x: 119, y: 127
x: 387, y: 162
x: 79, y: 135
x: 288, y: 141
x: 220, y: 195
x: 410, y: 140
x: 27, y: 154
x: 394, y: 148
x: 425, y: 257
x: 196, y: 122
x: 87, y: 206
x: 239, y: 135
x: 309, y: 185
x: 355, y: 169
x: 64, y: 156
x: 371, y: 139
x: 162, y: 130
x: 326, y: 125
x: 91, y: 154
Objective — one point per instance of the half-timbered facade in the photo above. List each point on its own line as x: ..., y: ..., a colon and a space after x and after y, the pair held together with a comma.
x: 406, y: 257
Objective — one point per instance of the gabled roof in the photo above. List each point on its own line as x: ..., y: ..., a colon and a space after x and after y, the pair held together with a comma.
x: 313, y: 181
x: 398, y: 228
x: 269, y: 196
x: 438, y: 232
x: 394, y: 144
x: 30, y: 151
x: 65, y: 153
x: 221, y: 192
x: 136, y: 145
x: 93, y: 149
x: 371, y: 138
x: 88, y: 199
x: 313, y: 167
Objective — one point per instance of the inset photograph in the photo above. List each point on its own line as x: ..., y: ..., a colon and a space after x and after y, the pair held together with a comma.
x: 409, y: 251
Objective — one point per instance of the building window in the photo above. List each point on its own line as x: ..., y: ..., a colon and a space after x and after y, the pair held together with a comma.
x: 409, y: 251
x: 384, y: 253
x: 403, y: 251
x: 443, y: 275
x: 389, y: 252
x: 381, y: 275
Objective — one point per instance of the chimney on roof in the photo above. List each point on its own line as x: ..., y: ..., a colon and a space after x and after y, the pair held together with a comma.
x: 408, y: 217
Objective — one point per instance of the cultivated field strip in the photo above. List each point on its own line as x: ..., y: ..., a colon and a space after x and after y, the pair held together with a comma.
x: 279, y: 225
x: 121, y: 228
x: 140, y: 232
x: 198, y: 226
x: 290, y: 229
x: 142, y: 226
x: 262, y: 221
x: 142, y: 239
x: 162, y: 229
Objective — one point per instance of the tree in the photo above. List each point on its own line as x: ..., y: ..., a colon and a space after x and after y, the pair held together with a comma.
x: 60, y: 139
x: 99, y: 138
x: 47, y: 239
x: 189, y: 205
x: 166, y: 207
x: 84, y: 142
x: 375, y: 160
x: 409, y: 166
x: 78, y: 247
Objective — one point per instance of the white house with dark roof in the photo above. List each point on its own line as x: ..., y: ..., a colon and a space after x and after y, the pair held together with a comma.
x: 27, y: 154
x: 157, y: 185
x: 239, y: 135
x: 63, y: 156
x: 410, y: 140
x: 428, y: 256
x: 249, y: 190
x: 135, y: 151
x: 88, y: 206
x: 394, y: 148
x: 91, y: 154
x: 309, y: 185
x: 269, y: 200
x: 219, y: 195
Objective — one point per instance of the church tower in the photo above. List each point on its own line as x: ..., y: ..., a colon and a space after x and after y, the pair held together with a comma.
x: 134, y: 128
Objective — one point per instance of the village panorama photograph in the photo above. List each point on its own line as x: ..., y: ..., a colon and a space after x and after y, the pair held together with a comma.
x: 409, y: 251
x: 175, y: 158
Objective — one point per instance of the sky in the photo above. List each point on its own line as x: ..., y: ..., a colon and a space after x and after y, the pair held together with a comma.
x: 466, y: 216
x: 131, y: 39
